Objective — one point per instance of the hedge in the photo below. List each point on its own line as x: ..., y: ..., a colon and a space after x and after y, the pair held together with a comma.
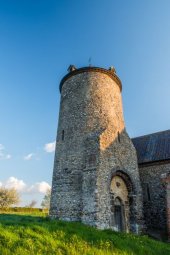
x: 23, y: 209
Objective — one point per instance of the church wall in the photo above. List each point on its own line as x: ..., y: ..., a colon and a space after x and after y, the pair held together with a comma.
x: 154, y: 195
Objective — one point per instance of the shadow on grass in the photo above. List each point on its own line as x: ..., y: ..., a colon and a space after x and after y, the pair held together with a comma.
x: 19, y: 219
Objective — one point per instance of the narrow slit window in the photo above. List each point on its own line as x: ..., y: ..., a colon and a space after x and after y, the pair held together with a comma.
x: 62, y: 137
x: 148, y: 193
x: 118, y: 136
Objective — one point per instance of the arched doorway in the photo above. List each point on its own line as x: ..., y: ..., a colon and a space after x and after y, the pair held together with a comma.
x: 119, y: 204
x: 119, y: 214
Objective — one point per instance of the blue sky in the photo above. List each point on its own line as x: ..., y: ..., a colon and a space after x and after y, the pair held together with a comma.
x: 40, y: 39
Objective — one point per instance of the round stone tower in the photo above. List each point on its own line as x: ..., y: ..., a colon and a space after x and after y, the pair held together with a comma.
x: 95, y: 178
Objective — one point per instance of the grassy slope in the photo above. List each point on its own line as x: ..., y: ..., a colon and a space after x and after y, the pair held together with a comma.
x: 24, y: 234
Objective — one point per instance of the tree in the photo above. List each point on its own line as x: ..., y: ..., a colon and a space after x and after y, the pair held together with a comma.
x: 8, y: 197
x: 32, y: 204
x: 46, y: 200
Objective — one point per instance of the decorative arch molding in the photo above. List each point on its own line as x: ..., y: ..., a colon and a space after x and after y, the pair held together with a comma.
x: 120, y: 188
x: 131, y: 219
x: 126, y: 179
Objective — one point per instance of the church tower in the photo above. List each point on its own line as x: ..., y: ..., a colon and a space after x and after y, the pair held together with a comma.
x: 95, y: 178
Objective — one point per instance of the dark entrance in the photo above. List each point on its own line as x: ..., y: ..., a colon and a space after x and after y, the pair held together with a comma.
x: 119, y: 215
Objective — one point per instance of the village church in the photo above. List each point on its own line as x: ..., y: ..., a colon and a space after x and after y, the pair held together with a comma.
x: 101, y: 176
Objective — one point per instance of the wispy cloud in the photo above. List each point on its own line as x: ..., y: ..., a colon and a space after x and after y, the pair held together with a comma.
x: 29, y: 156
x: 22, y: 187
x: 50, y: 147
x: 3, y: 154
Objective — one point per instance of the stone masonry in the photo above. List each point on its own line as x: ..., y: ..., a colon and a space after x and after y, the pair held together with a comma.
x: 153, y: 152
x: 93, y: 151
x: 155, y: 192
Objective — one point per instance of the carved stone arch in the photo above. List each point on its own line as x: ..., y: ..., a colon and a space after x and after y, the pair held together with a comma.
x: 121, y: 185
x: 126, y: 178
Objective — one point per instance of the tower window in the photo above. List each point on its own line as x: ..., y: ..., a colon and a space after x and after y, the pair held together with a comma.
x: 118, y: 136
x: 62, y: 136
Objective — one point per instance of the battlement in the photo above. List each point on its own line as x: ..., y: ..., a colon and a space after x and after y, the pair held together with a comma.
x: 73, y: 71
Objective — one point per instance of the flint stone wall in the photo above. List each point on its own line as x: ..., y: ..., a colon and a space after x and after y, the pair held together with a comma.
x: 155, y: 195
x: 94, y: 147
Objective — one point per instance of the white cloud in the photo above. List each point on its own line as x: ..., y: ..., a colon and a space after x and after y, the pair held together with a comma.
x: 27, y: 192
x: 13, y: 182
x: 21, y: 186
x: 3, y: 154
x: 29, y: 156
x: 40, y: 187
x: 50, y: 147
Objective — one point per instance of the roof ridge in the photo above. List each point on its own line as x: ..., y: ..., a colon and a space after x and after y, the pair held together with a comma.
x: 164, y: 131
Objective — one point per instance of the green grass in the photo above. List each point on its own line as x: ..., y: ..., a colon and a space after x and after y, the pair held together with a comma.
x: 23, y: 234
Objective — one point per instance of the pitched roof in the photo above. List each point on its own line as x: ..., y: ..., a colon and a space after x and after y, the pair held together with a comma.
x: 153, y: 147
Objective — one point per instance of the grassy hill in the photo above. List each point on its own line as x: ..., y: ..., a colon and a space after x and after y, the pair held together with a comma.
x: 29, y: 234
